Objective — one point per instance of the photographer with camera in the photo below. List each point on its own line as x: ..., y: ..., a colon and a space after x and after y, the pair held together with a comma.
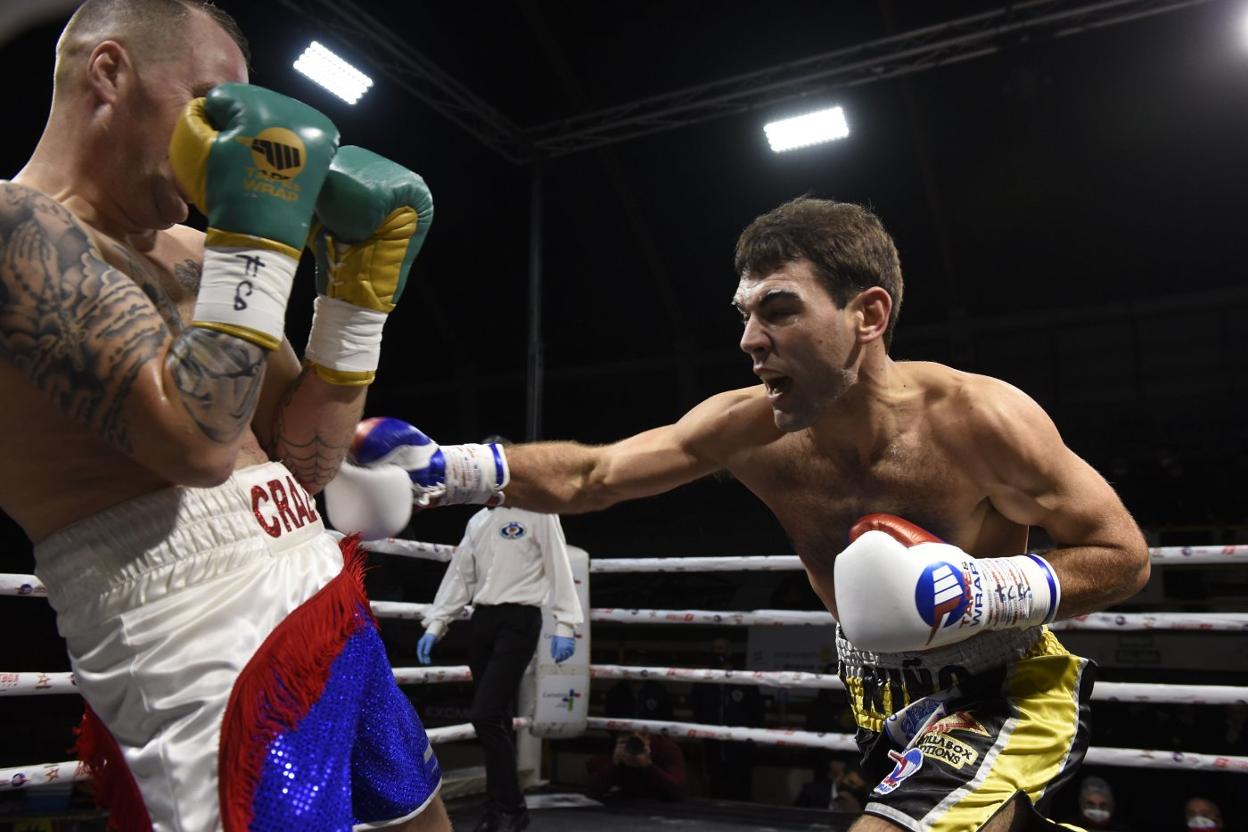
x: 639, y: 766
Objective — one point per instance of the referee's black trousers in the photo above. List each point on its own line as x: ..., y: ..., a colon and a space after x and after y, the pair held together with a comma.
x: 504, y: 637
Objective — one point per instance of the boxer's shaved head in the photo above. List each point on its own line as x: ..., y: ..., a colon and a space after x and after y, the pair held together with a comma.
x: 150, y: 30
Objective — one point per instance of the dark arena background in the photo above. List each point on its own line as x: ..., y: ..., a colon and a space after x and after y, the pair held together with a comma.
x: 1067, y: 183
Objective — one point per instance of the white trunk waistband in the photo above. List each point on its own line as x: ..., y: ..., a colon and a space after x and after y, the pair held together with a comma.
x: 143, y: 549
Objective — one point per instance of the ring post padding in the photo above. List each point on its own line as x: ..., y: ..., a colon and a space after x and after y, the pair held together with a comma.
x: 561, y: 705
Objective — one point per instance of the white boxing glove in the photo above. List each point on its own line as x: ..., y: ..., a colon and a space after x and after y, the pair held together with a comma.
x: 441, y: 475
x: 375, y: 502
x: 898, y: 588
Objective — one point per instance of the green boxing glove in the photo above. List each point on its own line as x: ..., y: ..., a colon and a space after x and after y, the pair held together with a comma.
x: 253, y: 162
x: 372, y: 218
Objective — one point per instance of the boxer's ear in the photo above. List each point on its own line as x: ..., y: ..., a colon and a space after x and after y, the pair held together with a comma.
x: 108, y: 68
x: 871, y: 309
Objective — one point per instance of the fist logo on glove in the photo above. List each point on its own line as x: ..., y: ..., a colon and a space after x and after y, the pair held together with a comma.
x: 941, y: 596
x: 277, y: 152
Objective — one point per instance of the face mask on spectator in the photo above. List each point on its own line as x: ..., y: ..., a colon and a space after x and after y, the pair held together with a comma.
x: 1201, y: 822
x: 1096, y: 815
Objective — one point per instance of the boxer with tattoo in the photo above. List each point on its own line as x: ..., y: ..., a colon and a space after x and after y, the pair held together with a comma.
x: 163, y: 441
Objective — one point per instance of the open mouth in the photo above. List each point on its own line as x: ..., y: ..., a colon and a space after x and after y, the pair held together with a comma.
x: 778, y: 386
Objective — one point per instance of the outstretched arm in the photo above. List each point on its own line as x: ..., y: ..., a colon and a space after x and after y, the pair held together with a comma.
x: 1034, y: 479
x: 570, y: 478
x: 395, y: 464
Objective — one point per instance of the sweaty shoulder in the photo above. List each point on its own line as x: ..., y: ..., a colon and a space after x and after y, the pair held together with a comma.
x: 992, y: 421
x: 729, y: 423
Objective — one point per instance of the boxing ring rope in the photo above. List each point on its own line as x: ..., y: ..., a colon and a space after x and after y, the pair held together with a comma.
x: 1161, y: 555
x: 43, y: 774
x: 38, y: 683
x: 1101, y: 621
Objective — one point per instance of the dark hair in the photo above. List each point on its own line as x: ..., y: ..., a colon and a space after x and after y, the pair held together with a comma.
x: 846, y: 244
x: 148, y: 27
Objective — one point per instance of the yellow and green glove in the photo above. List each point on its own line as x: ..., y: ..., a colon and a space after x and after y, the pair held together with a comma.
x: 372, y: 217
x: 253, y: 162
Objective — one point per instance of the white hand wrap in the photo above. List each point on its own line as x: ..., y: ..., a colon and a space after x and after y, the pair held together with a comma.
x: 474, y: 474
x: 345, y: 337
x: 244, y: 291
x: 891, y: 597
x: 376, y: 502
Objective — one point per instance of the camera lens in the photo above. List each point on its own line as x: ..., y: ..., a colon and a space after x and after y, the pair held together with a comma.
x: 634, y: 745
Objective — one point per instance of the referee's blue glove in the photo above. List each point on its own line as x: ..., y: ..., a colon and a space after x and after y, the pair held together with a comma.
x: 424, y: 646
x: 562, y: 648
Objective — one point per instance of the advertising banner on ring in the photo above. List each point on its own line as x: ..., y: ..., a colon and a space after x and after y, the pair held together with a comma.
x: 561, y: 704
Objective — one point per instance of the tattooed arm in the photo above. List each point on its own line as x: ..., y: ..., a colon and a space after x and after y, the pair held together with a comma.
x: 304, y: 421
x: 87, y: 336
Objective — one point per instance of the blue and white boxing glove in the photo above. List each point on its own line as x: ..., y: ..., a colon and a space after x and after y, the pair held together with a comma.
x: 899, y: 588
x: 394, y: 466
x: 440, y: 475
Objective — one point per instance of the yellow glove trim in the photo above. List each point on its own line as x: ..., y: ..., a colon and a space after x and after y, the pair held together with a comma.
x: 257, y: 338
x: 216, y: 238
x: 366, y: 274
x: 343, y: 378
x: 193, y: 136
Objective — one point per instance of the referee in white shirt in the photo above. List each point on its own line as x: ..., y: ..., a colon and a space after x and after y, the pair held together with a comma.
x: 507, y: 563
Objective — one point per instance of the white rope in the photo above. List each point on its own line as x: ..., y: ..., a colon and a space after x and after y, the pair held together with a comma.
x: 43, y: 774
x: 410, y: 549
x: 692, y: 730
x: 36, y: 684
x: 404, y: 610
x: 459, y: 733
x: 765, y: 618
x: 780, y: 678
x: 1172, y: 555
x: 748, y: 563
x: 432, y: 675
x: 29, y: 585
x: 1169, y: 694
x: 1125, y: 757
x: 1144, y: 758
x: 1162, y: 555
x: 1205, y: 621
x: 22, y: 586
x: 1103, y: 692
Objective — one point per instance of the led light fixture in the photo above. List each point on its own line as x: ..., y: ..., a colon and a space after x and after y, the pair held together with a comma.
x: 333, y: 73
x: 802, y: 131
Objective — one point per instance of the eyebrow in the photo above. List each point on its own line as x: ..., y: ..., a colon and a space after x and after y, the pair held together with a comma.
x: 770, y: 295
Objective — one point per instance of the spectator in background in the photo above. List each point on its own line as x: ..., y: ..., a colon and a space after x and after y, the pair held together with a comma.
x: 1097, y: 807
x: 1234, y: 734
x: 729, y: 764
x: 1203, y: 815
x: 639, y: 766
x: 638, y: 699
x: 840, y: 787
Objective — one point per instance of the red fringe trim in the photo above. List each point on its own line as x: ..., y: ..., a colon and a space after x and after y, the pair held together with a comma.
x: 113, y: 783
x: 284, y: 679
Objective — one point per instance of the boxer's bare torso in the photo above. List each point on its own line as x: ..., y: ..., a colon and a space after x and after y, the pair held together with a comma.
x: 925, y: 469
x: 56, y: 471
